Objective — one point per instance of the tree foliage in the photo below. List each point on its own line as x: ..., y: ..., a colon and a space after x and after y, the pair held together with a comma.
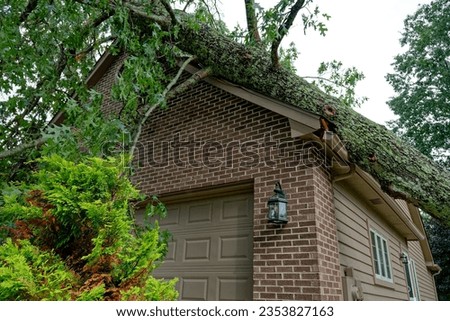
x: 439, y: 238
x: 422, y: 102
x: 422, y: 81
x: 70, y: 234
x: 48, y: 47
x: 340, y: 82
x: 67, y: 231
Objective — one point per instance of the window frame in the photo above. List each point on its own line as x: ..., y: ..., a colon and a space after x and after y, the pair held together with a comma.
x: 381, y: 258
x: 412, y: 282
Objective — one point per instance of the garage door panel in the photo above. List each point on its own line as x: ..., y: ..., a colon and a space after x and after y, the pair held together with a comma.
x: 211, y: 249
x: 201, y: 213
x: 235, y: 288
x: 235, y: 247
x: 179, y: 230
x: 194, y: 289
x: 224, y: 245
x: 197, y: 249
x: 218, y: 285
x: 236, y: 208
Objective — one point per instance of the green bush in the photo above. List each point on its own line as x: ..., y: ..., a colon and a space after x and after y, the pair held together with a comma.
x: 27, y: 273
x: 71, y: 235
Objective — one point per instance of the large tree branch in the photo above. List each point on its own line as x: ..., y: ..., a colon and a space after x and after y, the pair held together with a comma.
x: 169, y: 93
x: 283, y: 29
x: 140, y: 12
x: 400, y: 169
x: 170, y: 11
x: 137, y: 10
x: 252, y: 23
x: 21, y: 148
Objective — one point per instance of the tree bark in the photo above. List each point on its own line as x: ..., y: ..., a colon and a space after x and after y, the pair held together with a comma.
x: 402, y: 171
x: 283, y: 29
x: 252, y: 24
x: 21, y: 148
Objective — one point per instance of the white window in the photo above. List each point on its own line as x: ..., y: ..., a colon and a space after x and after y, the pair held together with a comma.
x: 381, y: 260
x: 411, y: 279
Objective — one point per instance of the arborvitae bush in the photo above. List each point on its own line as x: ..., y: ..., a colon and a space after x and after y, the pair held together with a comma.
x: 70, y: 235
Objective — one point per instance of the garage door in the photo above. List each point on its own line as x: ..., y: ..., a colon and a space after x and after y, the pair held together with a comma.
x: 211, y: 252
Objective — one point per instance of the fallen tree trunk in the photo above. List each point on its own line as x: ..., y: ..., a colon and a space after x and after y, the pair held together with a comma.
x: 402, y: 171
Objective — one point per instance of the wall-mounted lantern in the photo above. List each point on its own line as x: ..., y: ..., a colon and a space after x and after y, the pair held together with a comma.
x: 404, y: 258
x: 277, y: 206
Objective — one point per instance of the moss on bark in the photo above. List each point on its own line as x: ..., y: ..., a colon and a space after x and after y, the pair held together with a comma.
x: 402, y: 171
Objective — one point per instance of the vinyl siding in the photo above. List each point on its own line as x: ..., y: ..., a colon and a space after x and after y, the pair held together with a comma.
x: 354, y: 220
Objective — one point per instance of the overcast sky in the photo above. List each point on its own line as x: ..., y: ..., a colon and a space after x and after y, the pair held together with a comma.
x: 362, y: 33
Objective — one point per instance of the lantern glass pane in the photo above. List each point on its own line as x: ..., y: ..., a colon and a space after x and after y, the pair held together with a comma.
x: 272, y: 210
x: 282, y: 208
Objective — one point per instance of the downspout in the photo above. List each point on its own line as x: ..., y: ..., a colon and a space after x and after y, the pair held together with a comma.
x: 436, y: 273
x: 436, y: 267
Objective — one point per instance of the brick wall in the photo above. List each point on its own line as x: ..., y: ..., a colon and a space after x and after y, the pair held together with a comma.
x: 208, y: 137
x: 104, y: 86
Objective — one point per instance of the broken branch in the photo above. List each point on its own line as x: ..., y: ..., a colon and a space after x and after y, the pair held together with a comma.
x: 21, y: 148
x: 170, y: 11
x: 283, y: 30
x: 161, y: 20
x: 187, y: 5
x: 166, y: 94
x: 252, y: 24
